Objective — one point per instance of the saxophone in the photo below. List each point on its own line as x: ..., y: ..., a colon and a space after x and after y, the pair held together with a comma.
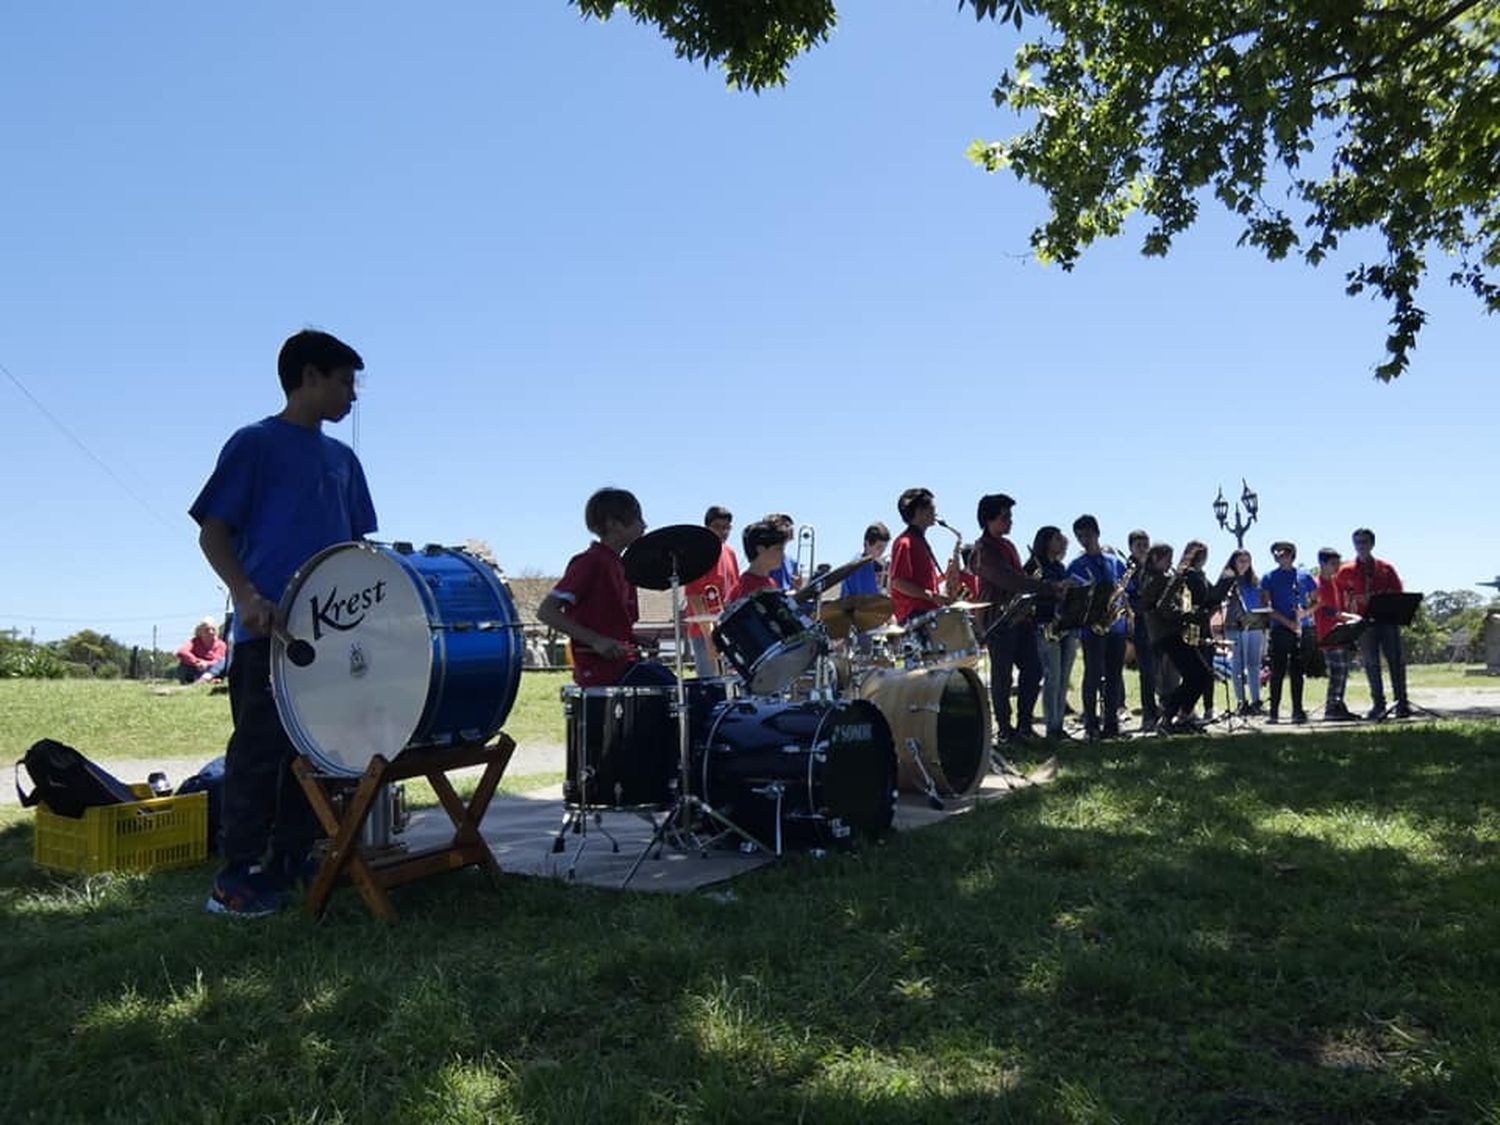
x: 1117, y: 603
x: 1177, y: 600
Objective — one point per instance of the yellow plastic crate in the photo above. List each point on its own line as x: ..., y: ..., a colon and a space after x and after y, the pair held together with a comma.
x: 151, y: 835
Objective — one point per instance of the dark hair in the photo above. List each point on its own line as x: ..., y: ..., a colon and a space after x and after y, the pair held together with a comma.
x: 1041, y: 542
x: 911, y: 500
x: 759, y: 536
x: 1249, y: 570
x: 877, y: 532
x: 1284, y: 545
x: 1138, y: 533
x: 991, y: 505
x: 1194, y: 551
x: 1085, y: 521
x: 610, y: 504
x: 1328, y: 554
x: 717, y: 513
x: 318, y: 349
x: 1365, y: 531
x: 784, y: 522
x: 1157, y: 552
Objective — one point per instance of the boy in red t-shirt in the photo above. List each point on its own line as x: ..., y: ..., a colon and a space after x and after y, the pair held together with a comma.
x: 765, y: 548
x: 593, y: 604
x: 1327, y: 613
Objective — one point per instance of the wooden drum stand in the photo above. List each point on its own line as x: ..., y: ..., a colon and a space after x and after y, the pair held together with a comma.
x: 373, y: 876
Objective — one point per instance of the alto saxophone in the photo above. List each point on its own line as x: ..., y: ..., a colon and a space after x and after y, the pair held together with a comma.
x: 1177, y: 599
x: 1117, y: 602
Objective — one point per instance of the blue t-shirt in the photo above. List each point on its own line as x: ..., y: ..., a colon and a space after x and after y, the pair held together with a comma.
x: 865, y: 580
x: 785, y: 574
x: 1287, y: 591
x: 1100, y: 569
x: 286, y: 492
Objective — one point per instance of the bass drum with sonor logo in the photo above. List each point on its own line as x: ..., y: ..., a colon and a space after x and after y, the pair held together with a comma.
x: 411, y: 647
x: 831, y: 764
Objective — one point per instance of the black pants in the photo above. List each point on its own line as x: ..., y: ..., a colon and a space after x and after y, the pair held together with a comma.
x: 1286, y: 656
x: 1145, y: 666
x: 1013, y: 653
x: 266, y: 814
x: 1193, y: 676
x: 1103, y: 678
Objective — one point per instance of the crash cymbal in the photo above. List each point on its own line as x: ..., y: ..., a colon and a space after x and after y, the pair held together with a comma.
x: 969, y: 605
x: 649, y: 561
x: 702, y: 618
x: 827, y: 580
x: 860, y: 611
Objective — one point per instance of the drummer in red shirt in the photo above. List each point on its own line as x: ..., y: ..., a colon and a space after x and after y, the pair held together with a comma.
x: 915, y: 577
x: 765, y: 550
x: 595, y: 606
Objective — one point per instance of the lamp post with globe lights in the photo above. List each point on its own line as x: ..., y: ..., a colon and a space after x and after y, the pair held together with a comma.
x: 1251, y: 503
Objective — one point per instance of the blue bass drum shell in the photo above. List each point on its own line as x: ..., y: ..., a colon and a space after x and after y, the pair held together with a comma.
x: 411, y: 648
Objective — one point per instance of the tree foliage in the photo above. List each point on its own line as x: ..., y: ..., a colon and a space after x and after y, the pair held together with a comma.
x: 1312, y: 121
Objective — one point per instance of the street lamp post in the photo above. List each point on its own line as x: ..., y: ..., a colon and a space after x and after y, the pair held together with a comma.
x: 1251, y: 503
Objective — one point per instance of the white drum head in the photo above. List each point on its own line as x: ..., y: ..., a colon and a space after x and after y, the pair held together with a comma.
x: 366, y: 689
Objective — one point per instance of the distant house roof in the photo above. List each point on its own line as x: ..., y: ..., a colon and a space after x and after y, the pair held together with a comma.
x: 527, y: 593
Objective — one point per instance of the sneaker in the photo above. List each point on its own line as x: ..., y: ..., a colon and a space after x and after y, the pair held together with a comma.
x: 245, y: 891
x: 1376, y: 713
x: 1403, y: 709
x: 295, y: 872
x: 1299, y: 717
x: 1273, y: 718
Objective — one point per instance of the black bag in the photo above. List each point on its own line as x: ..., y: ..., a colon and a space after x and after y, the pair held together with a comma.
x: 1314, y: 665
x: 67, y: 782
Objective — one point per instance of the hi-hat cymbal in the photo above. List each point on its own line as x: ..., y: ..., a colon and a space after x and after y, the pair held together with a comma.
x: 969, y: 605
x: 891, y: 630
x: 650, y: 560
x: 861, y: 612
x: 827, y: 580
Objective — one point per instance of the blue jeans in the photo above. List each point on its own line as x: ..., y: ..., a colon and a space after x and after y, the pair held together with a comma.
x: 1383, y: 637
x: 1244, y: 662
x: 1057, y: 665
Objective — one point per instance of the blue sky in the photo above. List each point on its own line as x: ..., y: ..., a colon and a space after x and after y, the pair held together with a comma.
x: 570, y: 259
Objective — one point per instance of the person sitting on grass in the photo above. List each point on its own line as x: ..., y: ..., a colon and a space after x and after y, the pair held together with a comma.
x: 203, y: 658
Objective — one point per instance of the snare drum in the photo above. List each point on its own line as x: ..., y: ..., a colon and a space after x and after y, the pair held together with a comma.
x: 832, y: 766
x: 622, y: 746
x: 943, y: 636
x: 767, y: 640
x: 411, y: 648
x: 940, y: 719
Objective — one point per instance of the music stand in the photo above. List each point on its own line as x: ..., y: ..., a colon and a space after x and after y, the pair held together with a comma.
x: 1078, y: 606
x: 1398, y: 610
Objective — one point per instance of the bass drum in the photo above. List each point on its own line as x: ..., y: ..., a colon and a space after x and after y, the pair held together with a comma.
x: 410, y: 648
x: 832, y: 764
x: 940, y: 719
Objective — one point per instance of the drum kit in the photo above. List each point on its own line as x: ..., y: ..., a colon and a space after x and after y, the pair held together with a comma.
x: 829, y: 712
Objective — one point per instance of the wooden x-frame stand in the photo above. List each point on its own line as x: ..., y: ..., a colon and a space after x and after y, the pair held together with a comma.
x: 373, y: 876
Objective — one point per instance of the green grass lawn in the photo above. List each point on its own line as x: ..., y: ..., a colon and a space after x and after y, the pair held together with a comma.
x: 1260, y: 929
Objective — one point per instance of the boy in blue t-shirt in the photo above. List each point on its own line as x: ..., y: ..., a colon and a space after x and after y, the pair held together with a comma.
x: 1288, y: 591
x: 281, y: 492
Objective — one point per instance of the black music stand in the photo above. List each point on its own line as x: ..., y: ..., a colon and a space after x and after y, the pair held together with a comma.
x: 1397, y: 609
x: 1081, y: 606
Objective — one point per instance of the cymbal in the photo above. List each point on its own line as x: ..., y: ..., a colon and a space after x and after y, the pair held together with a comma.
x: 861, y: 612
x: 701, y: 618
x: 649, y: 561
x: 969, y: 605
x: 891, y: 630
x: 827, y: 580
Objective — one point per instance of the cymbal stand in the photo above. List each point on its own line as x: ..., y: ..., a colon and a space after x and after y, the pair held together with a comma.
x: 677, y: 824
